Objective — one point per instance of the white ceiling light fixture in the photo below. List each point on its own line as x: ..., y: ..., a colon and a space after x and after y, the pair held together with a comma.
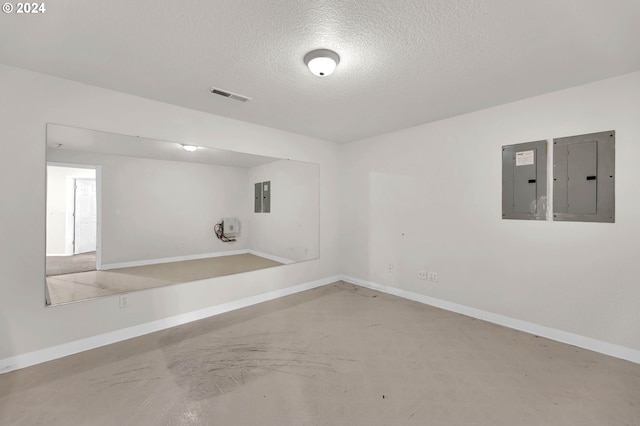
x: 322, y: 62
x: 189, y: 148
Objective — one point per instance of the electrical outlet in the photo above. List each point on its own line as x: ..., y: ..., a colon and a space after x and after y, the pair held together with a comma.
x: 422, y: 275
x: 433, y: 276
x: 390, y: 267
x: 124, y: 301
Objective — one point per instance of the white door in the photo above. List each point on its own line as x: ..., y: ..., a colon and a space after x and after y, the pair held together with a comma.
x: 85, y: 216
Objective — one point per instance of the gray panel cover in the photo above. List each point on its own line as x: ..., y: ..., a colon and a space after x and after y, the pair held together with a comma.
x: 560, y: 182
x: 266, y: 197
x: 524, y: 181
x: 584, y: 178
x: 582, y: 170
x: 257, y: 201
x: 524, y: 188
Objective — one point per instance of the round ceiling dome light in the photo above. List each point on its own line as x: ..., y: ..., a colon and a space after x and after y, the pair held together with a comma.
x: 322, y: 62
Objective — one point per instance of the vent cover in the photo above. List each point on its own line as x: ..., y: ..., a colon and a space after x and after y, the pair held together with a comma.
x: 229, y: 95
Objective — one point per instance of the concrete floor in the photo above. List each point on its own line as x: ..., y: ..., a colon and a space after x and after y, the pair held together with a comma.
x: 336, y: 355
x: 88, y: 285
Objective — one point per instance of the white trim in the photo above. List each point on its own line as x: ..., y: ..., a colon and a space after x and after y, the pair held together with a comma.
x: 107, y: 266
x: 271, y: 257
x: 580, y: 341
x: 66, y: 349
x: 99, y: 217
x: 98, y: 178
x: 71, y: 165
x: 69, y: 222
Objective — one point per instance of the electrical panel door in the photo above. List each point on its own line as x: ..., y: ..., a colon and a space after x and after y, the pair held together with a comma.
x: 584, y: 177
x: 262, y: 197
x: 257, y: 201
x: 266, y: 197
x: 582, y: 173
x: 524, y: 181
x: 525, y: 184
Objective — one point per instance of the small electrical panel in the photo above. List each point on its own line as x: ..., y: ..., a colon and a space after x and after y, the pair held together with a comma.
x: 584, y: 178
x: 524, y: 181
x: 266, y: 197
x: 262, y: 197
x: 257, y: 200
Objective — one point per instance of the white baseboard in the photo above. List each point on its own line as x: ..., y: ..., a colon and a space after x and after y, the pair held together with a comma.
x: 584, y: 342
x: 271, y: 257
x: 108, y: 266
x: 66, y: 349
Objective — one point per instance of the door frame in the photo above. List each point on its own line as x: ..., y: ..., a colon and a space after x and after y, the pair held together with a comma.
x: 71, y: 181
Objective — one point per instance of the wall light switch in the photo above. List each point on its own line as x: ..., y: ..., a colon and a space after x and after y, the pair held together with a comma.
x: 124, y: 300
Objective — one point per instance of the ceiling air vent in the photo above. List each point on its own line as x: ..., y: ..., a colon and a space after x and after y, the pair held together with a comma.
x: 229, y: 95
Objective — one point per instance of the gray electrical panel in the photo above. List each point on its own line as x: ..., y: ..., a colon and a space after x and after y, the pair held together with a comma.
x: 257, y: 201
x: 262, y: 197
x: 266, y: 197
x: 584, y: 178
x: 524, y: 181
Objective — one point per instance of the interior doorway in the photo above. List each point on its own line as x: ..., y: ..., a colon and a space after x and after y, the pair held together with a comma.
x: 72, y: 218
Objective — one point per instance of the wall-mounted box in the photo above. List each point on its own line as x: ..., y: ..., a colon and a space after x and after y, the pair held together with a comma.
x: 230, y: 227
x: 584, y: 178
x: 262, y: 197
x: 524, y: 181
x: 257, y: 198
x: 266, y: 197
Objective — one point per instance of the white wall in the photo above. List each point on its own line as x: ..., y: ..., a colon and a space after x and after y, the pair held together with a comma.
x: 155, y: 209
x: 429, y: 197
x: 290, y: 230
x: 29, y: 101
x: 57, y: 202
x: 438, y: 184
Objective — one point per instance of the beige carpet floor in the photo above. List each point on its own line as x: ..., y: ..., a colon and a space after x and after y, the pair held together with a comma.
x: 88, y: 285
x: 59, y: 265
x: 336, y: 355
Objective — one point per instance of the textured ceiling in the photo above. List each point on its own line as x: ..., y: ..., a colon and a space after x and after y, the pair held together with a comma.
x: 403, y: 63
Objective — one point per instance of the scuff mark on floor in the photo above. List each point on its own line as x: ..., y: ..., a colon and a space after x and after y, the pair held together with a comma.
x: 212, y: 368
